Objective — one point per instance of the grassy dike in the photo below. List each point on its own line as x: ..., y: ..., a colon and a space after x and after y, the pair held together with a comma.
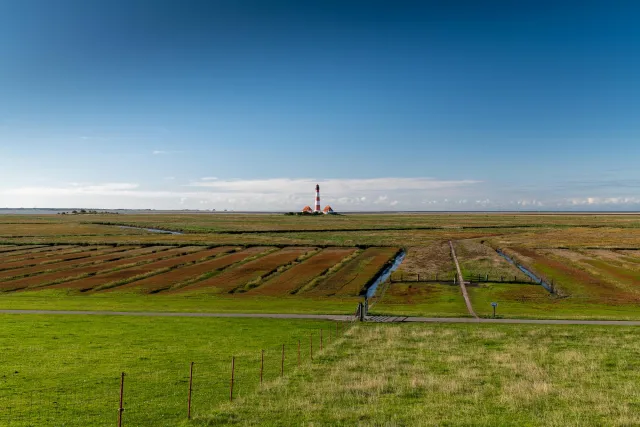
x: 457, y: 375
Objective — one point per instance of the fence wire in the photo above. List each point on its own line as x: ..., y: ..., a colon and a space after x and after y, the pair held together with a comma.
x: 161, y: 397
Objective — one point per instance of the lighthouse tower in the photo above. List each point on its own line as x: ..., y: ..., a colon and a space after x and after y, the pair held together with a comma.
x: 317, y: 207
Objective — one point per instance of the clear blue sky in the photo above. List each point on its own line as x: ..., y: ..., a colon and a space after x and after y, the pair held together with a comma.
x: 388, y: 105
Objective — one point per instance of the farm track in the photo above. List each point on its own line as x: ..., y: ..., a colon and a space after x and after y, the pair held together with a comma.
x: 73, y: 269
x: 140, y: 264
x: 303, y: 273
x: 352, y: 278
x: 236, y: 277
x: 463, y: 287
x: 183, y: 274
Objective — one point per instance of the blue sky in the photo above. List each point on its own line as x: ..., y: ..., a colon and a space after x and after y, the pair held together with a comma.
x: 245, y: 105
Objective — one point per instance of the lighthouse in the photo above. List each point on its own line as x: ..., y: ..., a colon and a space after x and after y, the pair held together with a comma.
x: 317, y: 207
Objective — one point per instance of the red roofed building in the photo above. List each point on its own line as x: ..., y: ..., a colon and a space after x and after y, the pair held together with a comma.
x: 327, y: 210
x: 307, y: 209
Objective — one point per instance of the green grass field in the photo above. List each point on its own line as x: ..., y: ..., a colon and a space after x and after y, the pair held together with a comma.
x: 457, y: 375
x: 65, y: 370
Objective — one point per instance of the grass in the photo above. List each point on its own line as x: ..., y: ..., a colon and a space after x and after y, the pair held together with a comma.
x: 428, y: 262
x: 534, y: 302
x: 64, y: 370
x: 421, y: 299
x: 476, y: 258
x: 457, y: 375
x: 60, y: 299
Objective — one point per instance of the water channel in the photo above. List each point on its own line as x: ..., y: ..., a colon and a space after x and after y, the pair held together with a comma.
x: 526, y: 271
x: 386, y: 273
x: 151, y: 230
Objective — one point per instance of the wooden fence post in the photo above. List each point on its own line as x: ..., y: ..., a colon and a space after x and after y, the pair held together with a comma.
x: 121, y: 410
x: 190, y: 389
x: 261, y: 365
x: 282, y: 363
x: 233, y: 371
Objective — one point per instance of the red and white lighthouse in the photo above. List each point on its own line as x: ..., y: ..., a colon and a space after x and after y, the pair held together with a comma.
x: 317, y: 207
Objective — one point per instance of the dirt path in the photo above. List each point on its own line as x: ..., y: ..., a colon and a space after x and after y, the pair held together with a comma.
x: 467, y: 301
x: 335, y: 317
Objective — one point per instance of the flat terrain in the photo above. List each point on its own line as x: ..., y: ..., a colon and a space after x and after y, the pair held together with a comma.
x: 66, y: 369
x: 457, y: 375
x: 273, y: 262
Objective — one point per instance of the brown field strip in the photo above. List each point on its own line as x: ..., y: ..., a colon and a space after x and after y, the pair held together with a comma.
x: 58, y: 250
x: 252, y: 270
x: 145, y: 263
x: 50, y: 258
x: 72, y: 269
x: 23, y: 250
x: 352, y: 278
x: 301, y: 274
x: 132, y: 272
x: 182, y: 274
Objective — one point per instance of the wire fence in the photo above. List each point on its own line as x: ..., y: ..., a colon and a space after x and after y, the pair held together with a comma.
x: 162, y: 397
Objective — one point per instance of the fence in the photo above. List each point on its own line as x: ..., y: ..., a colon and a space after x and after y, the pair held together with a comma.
x: 451, y: 278
x: 163, y: 397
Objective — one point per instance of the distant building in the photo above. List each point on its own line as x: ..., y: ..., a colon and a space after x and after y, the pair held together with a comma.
x: 327, y: 209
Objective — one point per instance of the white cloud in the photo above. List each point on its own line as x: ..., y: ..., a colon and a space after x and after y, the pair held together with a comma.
x: 162, y: 152
x: 285, y: 194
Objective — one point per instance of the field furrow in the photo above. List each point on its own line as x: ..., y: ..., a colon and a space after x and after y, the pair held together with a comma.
x: 301, y: 274
x: 141, y: 265
x: 49, y: 251
x: 182, y: 274
x: 129, y: 274
x: 23, y: 250
x: 71, y: 269
x: 252, y: 270
x: 352, y: 279
x: 50, y: 258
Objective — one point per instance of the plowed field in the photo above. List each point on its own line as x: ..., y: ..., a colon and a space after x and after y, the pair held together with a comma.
x: 356, y: 274
x: 301, y: 274
x: 238, y: 276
